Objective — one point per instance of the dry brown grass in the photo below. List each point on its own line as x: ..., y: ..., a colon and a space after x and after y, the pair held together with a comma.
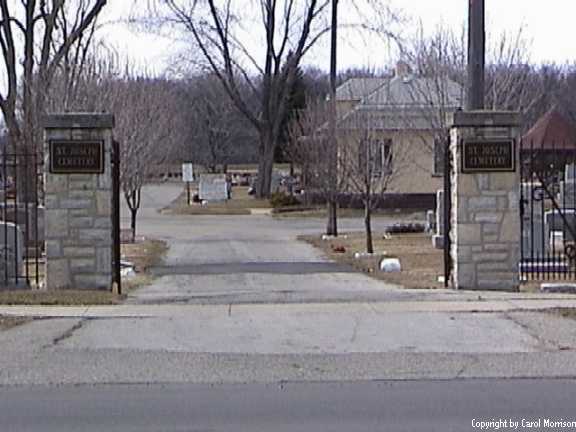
x: 422, y: 264
x: 240, y: 204
x: 58, y: 298
x: 320, y: 212
x: 143, y: 254
x: 8, y: 322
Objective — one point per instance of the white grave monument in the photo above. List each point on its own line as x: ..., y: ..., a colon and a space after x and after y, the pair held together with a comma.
x: 12, y: 252
x: 213, y: 187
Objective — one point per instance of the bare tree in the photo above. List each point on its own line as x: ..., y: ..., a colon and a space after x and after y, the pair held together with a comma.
x: 286, y: 31
x: 148, y: 128
x: 35, y: 38
x: 368, y: 162
x: 217, y: 133
x: 309, y: 145
x: 149, y: 122
x: 289, y: 30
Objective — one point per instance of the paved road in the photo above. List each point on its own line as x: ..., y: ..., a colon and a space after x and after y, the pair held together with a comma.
x: 165, y: 336
x: 426, y: 406
x: 252, y: 259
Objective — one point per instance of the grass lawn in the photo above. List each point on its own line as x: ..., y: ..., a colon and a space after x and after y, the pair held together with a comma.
x: 240, y: 204
x: 421, y: 263
x: 320, y: 212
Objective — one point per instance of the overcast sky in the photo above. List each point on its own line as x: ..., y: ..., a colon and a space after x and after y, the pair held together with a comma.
x: 548, y: 25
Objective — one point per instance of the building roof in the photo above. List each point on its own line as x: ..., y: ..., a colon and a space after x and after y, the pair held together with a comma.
x: 551, y: 131
x: 409, y: 90
x: 405, y: 102
x: 356, y: 89
x: 394, y: 118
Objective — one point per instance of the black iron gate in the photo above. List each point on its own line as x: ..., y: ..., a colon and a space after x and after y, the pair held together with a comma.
x: 548, y: 211
x: 21, y: 220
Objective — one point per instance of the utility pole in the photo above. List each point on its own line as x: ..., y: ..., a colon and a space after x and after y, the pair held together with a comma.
x: 476, y: 55
x: 332, y: 201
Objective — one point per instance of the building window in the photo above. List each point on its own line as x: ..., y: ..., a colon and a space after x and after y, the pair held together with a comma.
x: 375, y: 157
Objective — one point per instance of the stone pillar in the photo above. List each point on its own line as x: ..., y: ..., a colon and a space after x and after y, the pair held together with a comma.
x: 78, y: 195
x: 485, y: 214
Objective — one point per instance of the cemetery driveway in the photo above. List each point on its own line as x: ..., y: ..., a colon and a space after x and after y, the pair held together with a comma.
x: 250, y: 259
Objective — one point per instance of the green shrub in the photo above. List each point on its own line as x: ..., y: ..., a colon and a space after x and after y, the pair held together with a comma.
x: 281, y: 199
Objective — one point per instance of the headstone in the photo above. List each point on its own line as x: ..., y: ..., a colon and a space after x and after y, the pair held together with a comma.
x: 564, y: 222
x: 533, y: 235
x: 431, y: 221
x: 567, y: 196
x: 17, y: 213
x: 276, y: 181
x: 570, y: 172
x: 438, y: 238
x: 213, y: 187
x: 11, y: 253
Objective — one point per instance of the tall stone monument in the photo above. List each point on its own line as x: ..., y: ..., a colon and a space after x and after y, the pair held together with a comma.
x: 78, y: 185
x: 485, y: 217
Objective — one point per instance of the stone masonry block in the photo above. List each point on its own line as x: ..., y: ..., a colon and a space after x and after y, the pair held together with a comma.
x: 104, y: 260
x: 80, y: 212
x: 465, y: 276
x: 490, y: 229
x: 502, y: 204
x: 72, y: 251
x: 105, y: 181
x: 52, y: 201
x: 482, y: 203
x: 513, y: 200
x: 103, y: 222
x: 468, y: 186
x: 56, y: 224
x: 492, y: 267
x: 104, y: 203
x: 58, y: 274
x: 82, y: 222
x: 510, y: 228
x: 483, y: 181
x: 81, y: 194
x: 469, y: 234
x: 99, y: 236
x: 96, y: 282
x: 490, y: 257
x: 54, y: 248
x: 503, y: 181
x: 56, y: 184
x: 488, y: 217
x: 75, y: 203
x: 496, y: 247
x: 83, y: 265
x: 464, y: 254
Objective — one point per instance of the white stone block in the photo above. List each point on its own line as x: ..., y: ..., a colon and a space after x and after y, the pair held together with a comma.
x: 390, y: 265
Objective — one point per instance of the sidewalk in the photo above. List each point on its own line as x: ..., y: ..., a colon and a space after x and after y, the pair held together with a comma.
x: 489, y: 302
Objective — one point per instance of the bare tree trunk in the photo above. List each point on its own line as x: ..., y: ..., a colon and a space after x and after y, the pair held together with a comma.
x: 133, y: 201
x: 368, y: 226
x: 265, y: 167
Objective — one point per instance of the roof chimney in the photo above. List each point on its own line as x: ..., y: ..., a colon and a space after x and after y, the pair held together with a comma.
x: 403, y: 69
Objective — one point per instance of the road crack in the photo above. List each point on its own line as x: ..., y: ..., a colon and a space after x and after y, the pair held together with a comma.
x: 70, y: 332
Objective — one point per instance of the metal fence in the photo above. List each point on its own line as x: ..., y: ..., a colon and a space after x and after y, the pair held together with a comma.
x: 21, y: 219
x: 548, y: 211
